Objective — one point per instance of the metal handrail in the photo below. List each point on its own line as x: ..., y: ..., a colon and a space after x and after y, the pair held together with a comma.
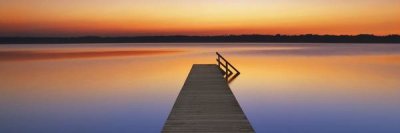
x: 225, y: 64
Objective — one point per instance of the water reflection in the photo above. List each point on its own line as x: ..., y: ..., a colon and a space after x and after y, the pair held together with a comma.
x: 326, y: 50
x: 282, y: 88
x: 42, y: 55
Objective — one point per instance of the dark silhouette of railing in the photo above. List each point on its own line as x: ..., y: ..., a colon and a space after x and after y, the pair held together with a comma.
x: 225, y: 66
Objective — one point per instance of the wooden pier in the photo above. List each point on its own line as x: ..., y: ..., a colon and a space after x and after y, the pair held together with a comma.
x: 206, y: 103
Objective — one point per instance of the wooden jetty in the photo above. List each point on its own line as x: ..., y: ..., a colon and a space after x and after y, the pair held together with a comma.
x: 206, y: 103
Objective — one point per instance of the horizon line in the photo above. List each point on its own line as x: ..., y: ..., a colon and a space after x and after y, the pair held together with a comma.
x: 183, y: 35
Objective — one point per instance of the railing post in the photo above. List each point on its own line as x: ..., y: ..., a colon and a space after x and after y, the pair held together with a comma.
x: 219, y: 61
x: 226, y: 70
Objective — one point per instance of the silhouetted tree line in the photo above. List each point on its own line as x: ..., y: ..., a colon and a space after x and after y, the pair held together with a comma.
x: 308, y: 38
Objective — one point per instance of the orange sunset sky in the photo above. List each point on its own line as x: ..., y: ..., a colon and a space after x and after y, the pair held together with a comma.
x: 197, y: 17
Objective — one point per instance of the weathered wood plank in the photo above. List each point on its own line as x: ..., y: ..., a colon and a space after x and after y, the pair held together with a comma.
x: 206, y: 104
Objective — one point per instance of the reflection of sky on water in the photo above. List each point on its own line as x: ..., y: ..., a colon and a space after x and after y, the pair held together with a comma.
x: 327, y: 50
x: 43, y: 55
x: 282, y: 88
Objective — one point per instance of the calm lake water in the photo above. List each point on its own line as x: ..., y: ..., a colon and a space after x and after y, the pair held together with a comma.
x: 283, y: 88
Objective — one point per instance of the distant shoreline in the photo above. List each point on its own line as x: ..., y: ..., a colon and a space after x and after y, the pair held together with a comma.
x: 308, y: 38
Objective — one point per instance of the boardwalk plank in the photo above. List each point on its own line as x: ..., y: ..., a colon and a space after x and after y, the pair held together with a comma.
x: 206, y: 104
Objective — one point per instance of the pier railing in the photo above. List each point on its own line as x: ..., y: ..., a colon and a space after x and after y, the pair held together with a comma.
x: 226, y: 68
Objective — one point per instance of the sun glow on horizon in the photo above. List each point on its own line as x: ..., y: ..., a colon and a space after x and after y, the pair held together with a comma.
x: 189, y: 17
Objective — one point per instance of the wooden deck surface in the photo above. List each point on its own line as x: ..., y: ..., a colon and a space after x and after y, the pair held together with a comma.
x: 206, y: 104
